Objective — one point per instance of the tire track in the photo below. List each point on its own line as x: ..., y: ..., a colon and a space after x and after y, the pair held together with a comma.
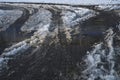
x: 13, y: 32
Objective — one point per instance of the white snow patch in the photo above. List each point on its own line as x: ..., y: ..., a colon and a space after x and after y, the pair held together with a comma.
x: 75, y: 16
x: 22, y: 46
x: 37, y: 21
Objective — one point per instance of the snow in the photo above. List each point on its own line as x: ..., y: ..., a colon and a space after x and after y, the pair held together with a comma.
x: 68, y: 1
x: 41, y: 18
x: 13, y: 50
x: 3, y: 63
x: 24, y: 45
x: 1, y: 60
x: 94, y: 58
x: 108, y: 7
x: 40, y: 35
x: 76, y: 15
x: 8, y: 17
x: 21, y: 47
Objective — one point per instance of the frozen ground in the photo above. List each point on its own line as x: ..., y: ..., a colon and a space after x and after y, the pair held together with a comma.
x: 59, y: 42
